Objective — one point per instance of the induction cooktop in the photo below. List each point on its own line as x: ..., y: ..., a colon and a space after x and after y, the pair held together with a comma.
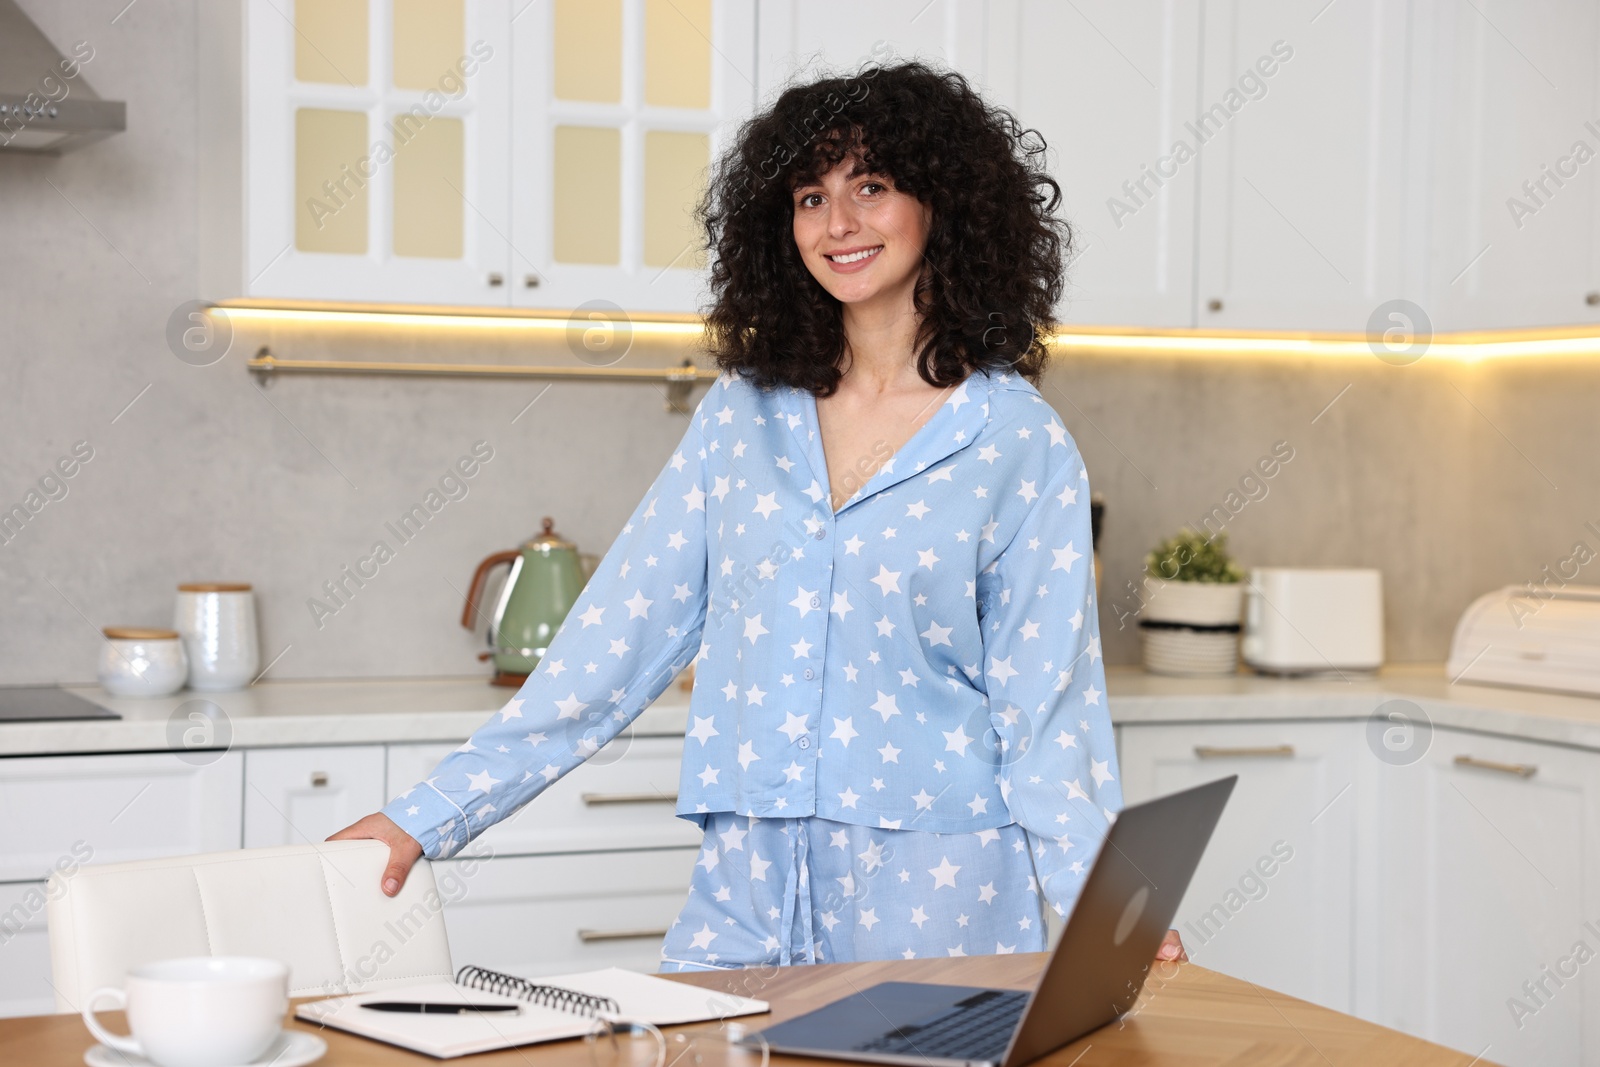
x: 47, y: 704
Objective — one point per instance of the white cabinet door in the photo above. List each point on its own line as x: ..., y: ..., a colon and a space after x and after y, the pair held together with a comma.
x: 624, y: 796
x: 801, y: 40
x: 356, y: 152
x: 541, y: 915
x: 619, y: 109
x: 1109, y: 84
x: 1272, y: 900
x: 1301, y: 134
x: 24, y: 951
x: 295, y: 796
x: 1514, y: 205
x: 67, y: 810
x: 1492, y: 854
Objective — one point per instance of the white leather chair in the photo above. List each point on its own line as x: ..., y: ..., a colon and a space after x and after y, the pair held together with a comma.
x: 316, y: 907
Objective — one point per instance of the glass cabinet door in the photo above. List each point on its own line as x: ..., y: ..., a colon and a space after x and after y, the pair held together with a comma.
x: 377, y: 161
x: 619, y: 108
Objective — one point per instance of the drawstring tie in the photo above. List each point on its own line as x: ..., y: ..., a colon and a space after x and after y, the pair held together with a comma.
x: 797, y: 901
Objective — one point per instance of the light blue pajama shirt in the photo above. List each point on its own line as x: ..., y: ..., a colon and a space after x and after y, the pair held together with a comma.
x: 918, y: 672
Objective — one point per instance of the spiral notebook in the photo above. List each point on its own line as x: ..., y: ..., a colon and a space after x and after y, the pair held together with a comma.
x: 551, y: 1009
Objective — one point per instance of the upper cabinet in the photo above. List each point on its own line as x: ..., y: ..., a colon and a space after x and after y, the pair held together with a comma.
x: 1300, y: 138
x: 1229, y: 164
x: 1509, y: 201
x: 802, y: 38
x: 618, y: 109
x: 464, y: 153
x: 1110, y: 85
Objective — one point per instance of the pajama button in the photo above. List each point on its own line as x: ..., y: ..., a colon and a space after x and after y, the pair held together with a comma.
x: 805, y: 742
x: 810, y: 674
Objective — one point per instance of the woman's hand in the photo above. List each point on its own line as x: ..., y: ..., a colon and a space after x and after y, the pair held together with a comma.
x: 403, y: 848
x: 1171, y: 946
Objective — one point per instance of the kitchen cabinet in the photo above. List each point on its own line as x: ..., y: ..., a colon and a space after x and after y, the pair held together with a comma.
x: 1491, y: 856
x: 24, y: 951
x: 446, y: 152
x: 1512, y: 206
x: 355, y: 150
x: 1109, y: 85
x: 801, y: 41
x: 1272, y: 901
x: 619, y: 109
x: 1302, y: 150
x: 295, y: 796
x: 113, y: 808
x: 542, y: 915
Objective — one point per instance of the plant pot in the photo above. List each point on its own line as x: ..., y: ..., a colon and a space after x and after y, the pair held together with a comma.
x: 1192, y: 628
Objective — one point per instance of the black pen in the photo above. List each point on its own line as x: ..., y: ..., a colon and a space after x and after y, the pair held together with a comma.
x: 437, y: 1009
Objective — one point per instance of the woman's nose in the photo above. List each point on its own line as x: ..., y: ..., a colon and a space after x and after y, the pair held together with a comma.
x: 841, y: 218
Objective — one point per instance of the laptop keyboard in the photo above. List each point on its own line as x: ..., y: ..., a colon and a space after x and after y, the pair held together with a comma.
x: 977, y: 1028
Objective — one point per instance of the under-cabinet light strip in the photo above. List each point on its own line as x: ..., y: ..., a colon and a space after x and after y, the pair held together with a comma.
x: 1458, y: 347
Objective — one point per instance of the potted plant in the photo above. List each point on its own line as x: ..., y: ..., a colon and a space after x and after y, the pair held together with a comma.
x: 1193, y: 606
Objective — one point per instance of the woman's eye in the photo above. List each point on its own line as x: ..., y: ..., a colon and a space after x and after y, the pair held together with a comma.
x: 874, y: 185
x: 805, y: 201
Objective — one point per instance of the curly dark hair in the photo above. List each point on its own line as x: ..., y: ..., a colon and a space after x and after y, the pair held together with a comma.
x: 994, y: 260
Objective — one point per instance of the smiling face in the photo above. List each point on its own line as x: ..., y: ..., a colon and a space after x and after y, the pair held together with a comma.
x: 861, y: 238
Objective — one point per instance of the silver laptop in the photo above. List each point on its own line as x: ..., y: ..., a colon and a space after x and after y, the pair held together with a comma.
x: 1093, y: 976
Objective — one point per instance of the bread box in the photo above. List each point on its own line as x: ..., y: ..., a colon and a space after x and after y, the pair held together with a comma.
x: 1533, y: 639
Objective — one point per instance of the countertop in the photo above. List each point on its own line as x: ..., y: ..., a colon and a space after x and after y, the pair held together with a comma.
x: 391, y: 710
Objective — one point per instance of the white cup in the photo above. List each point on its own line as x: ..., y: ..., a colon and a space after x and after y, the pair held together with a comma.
x: 201, y: 1011
x: 218, y: 624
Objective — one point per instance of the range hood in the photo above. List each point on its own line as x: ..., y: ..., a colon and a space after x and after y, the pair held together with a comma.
x: 45, y: 105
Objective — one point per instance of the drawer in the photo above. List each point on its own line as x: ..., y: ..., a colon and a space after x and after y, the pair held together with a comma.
x: 113, y: 808
x: 622, y: 797
x: 24, y: 951
x: 541, y: 915
x: 294, y: 796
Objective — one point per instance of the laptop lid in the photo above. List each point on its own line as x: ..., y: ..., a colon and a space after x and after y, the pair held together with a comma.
x: 1124, y: 910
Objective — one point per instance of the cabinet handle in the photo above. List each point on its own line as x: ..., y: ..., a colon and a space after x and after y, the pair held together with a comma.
x: 1213, y: 304
x: 530, y: 281
x: 496, y: 278
x: 1591, y: 299
x: 621, y: 935
x: 596, y: 799
x: 1521, y: 770
x: 1214, y: 752
x: 319, y: 779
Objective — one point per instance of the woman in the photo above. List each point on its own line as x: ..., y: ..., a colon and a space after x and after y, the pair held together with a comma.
x: 899, y: 744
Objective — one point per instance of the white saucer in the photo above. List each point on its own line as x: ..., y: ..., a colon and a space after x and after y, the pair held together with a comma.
x: 294, y: 1048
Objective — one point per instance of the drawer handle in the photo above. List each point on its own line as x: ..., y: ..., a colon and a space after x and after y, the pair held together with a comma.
x: 319, y: 779
x: 1521, y: 770
x: 597, y: 799
x: 621, y: 935
x: 1215, y: 752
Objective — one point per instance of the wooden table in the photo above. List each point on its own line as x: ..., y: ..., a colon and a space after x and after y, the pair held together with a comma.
x: 1186, y: 1016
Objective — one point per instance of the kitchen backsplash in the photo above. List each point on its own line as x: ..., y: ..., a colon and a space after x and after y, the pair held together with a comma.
x: 1453, y: 479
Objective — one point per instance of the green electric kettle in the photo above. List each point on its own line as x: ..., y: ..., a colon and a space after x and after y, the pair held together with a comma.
x: 546, y: 577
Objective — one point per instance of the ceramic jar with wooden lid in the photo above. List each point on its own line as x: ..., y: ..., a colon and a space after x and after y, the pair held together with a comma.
x: 218, y: 624
x: 138, y: 661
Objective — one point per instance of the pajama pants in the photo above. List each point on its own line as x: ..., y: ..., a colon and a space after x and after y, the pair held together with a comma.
x: 788, y: 891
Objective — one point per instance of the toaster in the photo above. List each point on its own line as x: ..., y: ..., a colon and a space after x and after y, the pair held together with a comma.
x: 1299, y: 620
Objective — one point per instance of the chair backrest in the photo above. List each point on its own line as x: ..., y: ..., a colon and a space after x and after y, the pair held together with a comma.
x: 316, y: 907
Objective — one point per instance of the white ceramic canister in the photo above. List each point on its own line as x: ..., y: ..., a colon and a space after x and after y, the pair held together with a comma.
x: 218, y: 624
x: 140, y: 662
